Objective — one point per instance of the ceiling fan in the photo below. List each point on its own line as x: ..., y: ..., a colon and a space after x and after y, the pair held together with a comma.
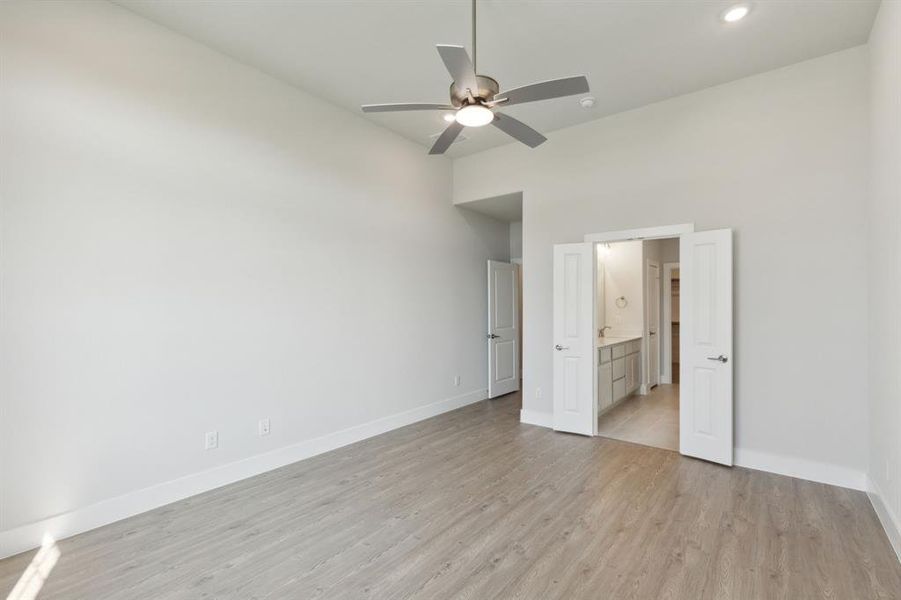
x: 474, y: 98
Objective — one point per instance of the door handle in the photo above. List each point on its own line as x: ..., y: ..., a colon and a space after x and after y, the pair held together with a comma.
x: 558, y: 347
x: 492, y: 336
x: 719, y: 358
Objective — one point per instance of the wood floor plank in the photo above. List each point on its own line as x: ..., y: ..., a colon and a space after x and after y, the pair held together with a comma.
x: 475, y: 505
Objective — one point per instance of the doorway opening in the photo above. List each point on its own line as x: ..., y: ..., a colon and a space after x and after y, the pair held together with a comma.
x: 637, y: 401
x: 622, y: 360
x: 504, y: 295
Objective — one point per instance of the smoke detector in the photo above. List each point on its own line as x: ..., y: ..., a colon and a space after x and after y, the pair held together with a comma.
x: 587, y: 102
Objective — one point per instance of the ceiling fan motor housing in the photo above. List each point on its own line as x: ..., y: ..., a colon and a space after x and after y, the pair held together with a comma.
x: 488, y: 89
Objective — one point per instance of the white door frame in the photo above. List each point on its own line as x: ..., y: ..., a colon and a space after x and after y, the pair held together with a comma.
x: 666, y: 373
x: 645, y: 233
x: 642, y: 233
x: 648, y: 372
x: 518, y: 263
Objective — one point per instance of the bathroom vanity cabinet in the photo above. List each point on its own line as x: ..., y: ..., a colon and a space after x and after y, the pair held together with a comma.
x: 619, y: 370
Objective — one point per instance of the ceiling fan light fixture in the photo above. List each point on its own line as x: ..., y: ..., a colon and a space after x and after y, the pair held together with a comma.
x: 474, y: 115
x: 473, y: 96
x: 736, y: 13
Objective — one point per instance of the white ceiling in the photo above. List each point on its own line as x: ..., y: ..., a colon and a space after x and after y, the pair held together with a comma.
x: 634, y: 52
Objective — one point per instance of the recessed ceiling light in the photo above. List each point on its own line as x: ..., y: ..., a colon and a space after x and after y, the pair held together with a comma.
x: 449, y: 117
x: 736, y: 13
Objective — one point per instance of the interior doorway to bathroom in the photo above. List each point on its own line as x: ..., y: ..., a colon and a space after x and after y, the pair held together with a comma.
x: 601, y: 361
x: 637, y: 399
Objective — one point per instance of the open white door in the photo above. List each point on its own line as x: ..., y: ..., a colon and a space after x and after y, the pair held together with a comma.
x: 705, y: 411
x: 575, y: 386
x: 503, y: 329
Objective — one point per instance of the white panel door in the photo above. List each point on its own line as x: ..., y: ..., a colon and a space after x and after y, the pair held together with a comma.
x: 575, y: 385
x: 705, y: 410
x: 653, y: 324
x: 503, y: 329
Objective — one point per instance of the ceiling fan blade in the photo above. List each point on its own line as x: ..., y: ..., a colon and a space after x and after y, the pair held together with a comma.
x: 367, y: 108
x: 459, y: 66
x: 519, y: 130
x: 545, y: 90
x: 446, y: 139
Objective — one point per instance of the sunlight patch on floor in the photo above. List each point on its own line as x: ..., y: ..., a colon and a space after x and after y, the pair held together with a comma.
x: 37, y: 572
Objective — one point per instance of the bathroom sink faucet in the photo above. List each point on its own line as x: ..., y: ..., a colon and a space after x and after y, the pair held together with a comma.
x: 601, y: 330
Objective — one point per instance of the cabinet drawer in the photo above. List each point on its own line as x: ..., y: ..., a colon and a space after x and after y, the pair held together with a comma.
x: 619, y: 351
x: 619, y: 368
x: 619, y: 389
x: 634, y: 346
x: 605, y: 355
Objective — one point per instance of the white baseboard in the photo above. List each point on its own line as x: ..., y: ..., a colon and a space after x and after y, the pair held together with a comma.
x: 890, y: 521
x: 801, y: 469
x: 666, y: 380
x: 760, y: 461
x: 536, y: 417
x: 115, y: 509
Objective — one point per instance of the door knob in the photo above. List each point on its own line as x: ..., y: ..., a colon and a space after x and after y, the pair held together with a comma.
x: 558, y: 347
x: 492, y: 336
x: 719, y: 358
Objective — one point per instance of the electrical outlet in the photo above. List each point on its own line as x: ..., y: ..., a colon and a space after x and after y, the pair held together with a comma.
x: 456, y: 381
x: 211, y: 440
x: 263, y: 427
x: 538, y: 393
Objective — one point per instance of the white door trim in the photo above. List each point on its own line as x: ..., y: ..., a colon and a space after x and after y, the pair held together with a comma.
x: 648, y: 374
x: 643, y: 233
x: 519, y: 315
x: 666, y: 373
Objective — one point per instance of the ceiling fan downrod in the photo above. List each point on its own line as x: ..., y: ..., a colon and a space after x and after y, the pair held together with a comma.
x: 474, y: 63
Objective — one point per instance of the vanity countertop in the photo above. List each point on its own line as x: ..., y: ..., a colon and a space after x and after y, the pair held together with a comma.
x: 603, y: 342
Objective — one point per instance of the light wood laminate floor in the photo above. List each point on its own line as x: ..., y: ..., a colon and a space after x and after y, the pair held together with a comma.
x: 652, y: 420
x: 473, y: 504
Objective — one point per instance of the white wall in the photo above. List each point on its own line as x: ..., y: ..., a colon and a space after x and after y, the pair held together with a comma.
x: 782, y: 159
x: 884, y: 248
x: 669, y: 250
x: 187, y: 245
x: 622, y: 278
x: 516, y: 239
